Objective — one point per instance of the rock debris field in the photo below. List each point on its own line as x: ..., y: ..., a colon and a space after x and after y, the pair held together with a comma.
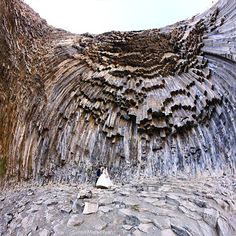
x: 158, y: 206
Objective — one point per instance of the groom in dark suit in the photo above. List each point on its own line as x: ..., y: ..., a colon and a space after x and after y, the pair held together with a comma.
x: 99, y: 172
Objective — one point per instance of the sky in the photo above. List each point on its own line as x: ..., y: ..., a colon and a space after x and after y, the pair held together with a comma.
x: 98, y: 16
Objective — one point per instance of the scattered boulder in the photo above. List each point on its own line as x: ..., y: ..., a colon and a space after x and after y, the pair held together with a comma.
x: 90, y: 208
x: 50, y: 202
x: 84, y: 194
x: 75, y: 220
x: 66, y: 209
x: 99, y: 224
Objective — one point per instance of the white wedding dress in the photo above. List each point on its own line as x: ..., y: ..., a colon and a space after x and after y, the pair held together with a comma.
x: 104, y: 180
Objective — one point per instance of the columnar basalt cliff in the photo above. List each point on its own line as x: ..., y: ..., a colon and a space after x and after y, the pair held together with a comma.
x: 144, y: 103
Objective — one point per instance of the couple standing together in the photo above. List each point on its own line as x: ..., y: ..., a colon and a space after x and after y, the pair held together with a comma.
x: 103, y: 179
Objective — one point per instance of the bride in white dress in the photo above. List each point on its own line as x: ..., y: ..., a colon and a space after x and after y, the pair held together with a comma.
x: 104, y: 180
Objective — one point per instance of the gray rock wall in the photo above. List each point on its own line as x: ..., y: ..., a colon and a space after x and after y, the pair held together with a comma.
x: 153, y: 102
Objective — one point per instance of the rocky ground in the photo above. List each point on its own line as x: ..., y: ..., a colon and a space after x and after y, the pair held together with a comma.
x: 166, y: 207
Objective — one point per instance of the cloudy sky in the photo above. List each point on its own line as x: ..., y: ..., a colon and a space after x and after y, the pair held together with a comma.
x: 98, y: 16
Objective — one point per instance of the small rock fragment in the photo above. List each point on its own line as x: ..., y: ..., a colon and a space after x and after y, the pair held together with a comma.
x: 75, y: 220
x: 50, y: 202
x: 84, y: 194
x: 90, y: 208
x: 66, y: 209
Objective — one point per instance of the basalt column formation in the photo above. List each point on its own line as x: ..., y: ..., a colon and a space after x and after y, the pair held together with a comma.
x: 144, y: 103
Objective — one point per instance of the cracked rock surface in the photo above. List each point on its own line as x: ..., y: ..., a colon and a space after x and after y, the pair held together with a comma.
x: 157, y: 206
